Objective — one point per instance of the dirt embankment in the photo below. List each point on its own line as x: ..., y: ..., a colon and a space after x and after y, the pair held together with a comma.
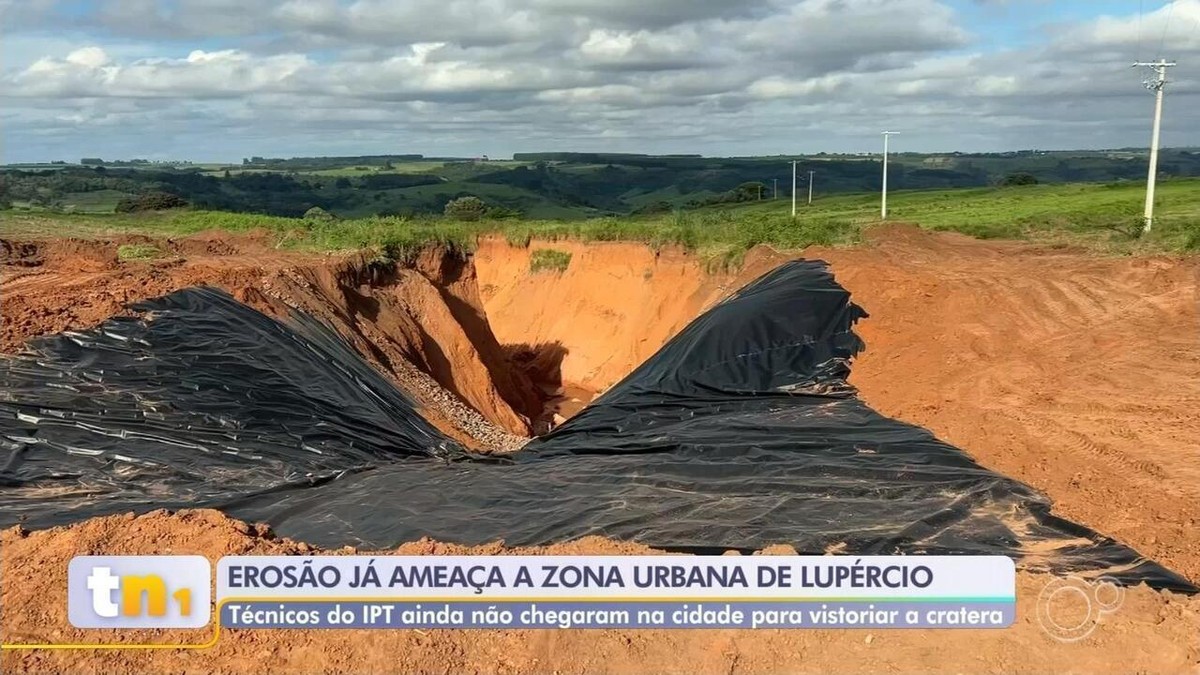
x: 612, y: 307
x: 1075, y: 373
x: 1150, y: 632
x: 421, y: 324
x: 582, y: 329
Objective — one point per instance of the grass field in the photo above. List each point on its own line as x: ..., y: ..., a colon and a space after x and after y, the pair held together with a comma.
x: 99, y: 201
x: 1105, y: 217
x: 435, y: 167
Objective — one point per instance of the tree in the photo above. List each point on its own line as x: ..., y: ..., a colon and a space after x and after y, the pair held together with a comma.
x: 746, y: 192
x: 502, y: 213
x: 318, y: 213
x: 151, y: 201
x: 465, y: 208
x: 1019, y: 178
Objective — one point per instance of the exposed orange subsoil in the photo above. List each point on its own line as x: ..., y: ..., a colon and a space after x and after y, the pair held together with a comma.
x: 1150, y: 632
x: 610, y: 310
x: 1071, y: 371
x: 1076, y: 373
x: 425, y: 316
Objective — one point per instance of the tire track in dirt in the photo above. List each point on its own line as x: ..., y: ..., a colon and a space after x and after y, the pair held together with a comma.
x: 1076, y: 373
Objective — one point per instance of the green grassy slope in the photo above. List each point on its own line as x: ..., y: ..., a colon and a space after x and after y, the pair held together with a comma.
x: 1111, y: 212
x: 565, y: 185
x: 1106, y: 217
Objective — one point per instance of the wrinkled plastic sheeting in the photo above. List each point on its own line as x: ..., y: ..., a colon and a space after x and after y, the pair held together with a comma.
x: 198, y: 399
x: 740, y: 433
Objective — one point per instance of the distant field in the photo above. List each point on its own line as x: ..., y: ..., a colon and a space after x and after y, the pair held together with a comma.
x: 99, y: 201
x: 1104, y: 217
x: 561, y: 186
x: 1104, y: 212
x: 436, y: 167
x: 406, y: 167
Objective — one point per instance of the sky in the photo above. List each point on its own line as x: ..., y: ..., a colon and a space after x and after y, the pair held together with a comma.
x: 219, y: 80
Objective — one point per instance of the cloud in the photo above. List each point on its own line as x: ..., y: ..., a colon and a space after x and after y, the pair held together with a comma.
x: 213, y: 79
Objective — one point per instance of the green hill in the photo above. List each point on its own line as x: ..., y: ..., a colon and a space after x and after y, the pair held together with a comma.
x: 1102, y: 216
x: 547, y: 185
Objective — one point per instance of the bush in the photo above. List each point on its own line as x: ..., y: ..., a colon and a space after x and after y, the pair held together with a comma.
x: 548, y: 259
x: 1017, y: 179
x: 137, y: 252
x: 318, y: 213
x: 151, y: 201
x: 501, y: 213
x: 465, y: 208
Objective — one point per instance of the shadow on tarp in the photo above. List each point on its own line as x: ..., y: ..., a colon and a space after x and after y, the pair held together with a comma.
x: 741, y: 432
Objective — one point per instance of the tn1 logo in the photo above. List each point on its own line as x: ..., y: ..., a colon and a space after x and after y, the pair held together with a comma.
x: 122, y: 595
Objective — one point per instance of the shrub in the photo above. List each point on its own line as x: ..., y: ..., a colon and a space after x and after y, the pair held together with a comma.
x: 1017, y: 179
x: 544, y: 259
x: 151, y: 201
x: 502, y: 213
x: 318, y: 213
x: 465, y: 208
x: 137, y: 252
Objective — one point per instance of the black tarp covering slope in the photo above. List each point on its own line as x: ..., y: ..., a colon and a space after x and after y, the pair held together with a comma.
x: 739, y: 433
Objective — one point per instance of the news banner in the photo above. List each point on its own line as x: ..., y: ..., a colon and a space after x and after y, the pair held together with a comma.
x: 469, y: 592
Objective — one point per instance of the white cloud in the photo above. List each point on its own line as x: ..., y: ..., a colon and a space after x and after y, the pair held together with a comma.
x: 88, y: 57
x: 501, y: 75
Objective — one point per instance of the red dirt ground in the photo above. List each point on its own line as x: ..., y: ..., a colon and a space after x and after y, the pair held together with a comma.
x: 1151, y: 632
x: 1076, y: 373
x: 425, y: 319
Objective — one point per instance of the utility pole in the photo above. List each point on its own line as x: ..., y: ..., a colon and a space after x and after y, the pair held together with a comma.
x: 1155, y: 85
x: 810, y: 180
x: 775, y: 188
x: 883, y: 205
x: 793, y: 188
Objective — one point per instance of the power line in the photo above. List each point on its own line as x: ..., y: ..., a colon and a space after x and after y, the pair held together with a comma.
x: 1141, y: 10
x: 1167, y: 24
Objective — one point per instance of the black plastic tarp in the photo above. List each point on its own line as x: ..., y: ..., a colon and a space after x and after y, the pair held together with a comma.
x: 741, y: 432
